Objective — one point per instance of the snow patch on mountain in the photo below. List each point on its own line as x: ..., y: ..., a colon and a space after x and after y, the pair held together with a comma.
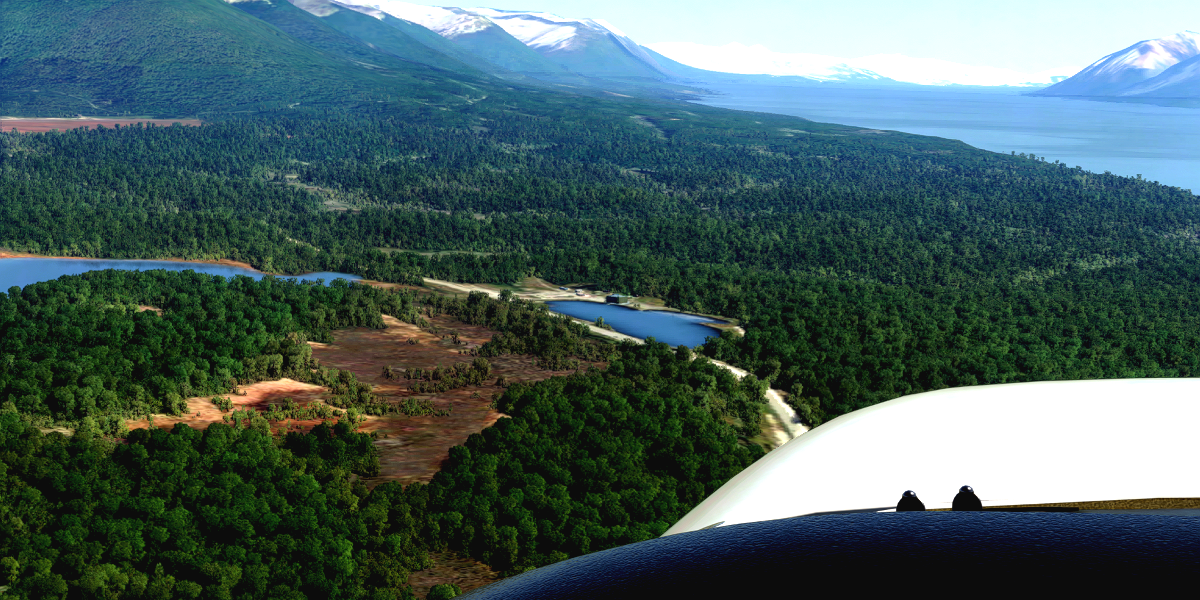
x: 1180, y: 80
x: 759, y: 60
x: 549, y: 32
x: 536, y: 30
x: 318, y: 8
x: 1135, y: 70
x: 1151, y: 56
x: 448, y: 22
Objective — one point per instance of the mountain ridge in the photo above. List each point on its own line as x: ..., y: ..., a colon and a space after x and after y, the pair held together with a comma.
x: 175, y: 58
x: 1145, y: 69
x: 538, y: 44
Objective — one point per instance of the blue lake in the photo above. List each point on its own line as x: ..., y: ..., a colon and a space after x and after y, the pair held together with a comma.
x: 1128, y: 139
x: 671, y: 328
x: 24, y: 271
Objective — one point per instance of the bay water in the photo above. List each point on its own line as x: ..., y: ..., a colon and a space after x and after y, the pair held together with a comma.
x: 1160, y: 143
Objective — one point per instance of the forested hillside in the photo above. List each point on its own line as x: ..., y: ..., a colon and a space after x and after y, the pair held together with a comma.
x: 866, y: 266
x: 585, y: 463
x: 80, y: 347
x: 199, y: 57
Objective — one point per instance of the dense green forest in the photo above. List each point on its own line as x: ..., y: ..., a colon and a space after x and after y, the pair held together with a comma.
x: 864, y: 267
x: 585, y: 463
x: 79, y: 346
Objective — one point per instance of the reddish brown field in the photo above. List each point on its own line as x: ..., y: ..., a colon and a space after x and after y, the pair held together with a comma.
x: 259, y: 396
x: 449, y: 567
x: 43, y: 125
x: 413, y: 448
x: 410, y: 448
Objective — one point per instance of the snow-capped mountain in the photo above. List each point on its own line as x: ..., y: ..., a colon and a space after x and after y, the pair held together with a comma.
x: 757, y: 59
x: 528, y: 42
x: 1147, y: 68
x: 449, y: 22
x: 390, y: 35
x: 471, y: 33
x: 541, y: 30
x: 1181, y: 80
x: 587, y: 46
x: 590, y: 51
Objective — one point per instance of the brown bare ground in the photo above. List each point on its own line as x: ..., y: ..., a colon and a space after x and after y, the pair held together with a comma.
x: 259, y: 396
x: 450, y: 567
x: 44, y: 125
x: 411, y: 449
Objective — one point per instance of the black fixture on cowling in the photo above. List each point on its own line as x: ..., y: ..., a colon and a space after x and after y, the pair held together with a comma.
x: 966, y: 500
x: 909, y: 502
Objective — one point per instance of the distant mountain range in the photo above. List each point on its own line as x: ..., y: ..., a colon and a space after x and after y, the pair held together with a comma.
x: 1168, y: 67
x: 879, y: 68
x: 539, y: 45
x: 199, y: 58
x: 563, y: 50
x: 112, y: 58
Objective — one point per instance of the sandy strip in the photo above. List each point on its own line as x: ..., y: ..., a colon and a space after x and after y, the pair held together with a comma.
x: 778, y: 409
x: 42, y: 125
x: 783, y: 412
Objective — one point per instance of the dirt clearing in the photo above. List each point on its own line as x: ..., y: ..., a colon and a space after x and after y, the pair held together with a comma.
x: 413, y: 448
x: 450, y: 567
x: 258, y: 396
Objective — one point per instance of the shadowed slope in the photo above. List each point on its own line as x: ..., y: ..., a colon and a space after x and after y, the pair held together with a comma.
x: 181, y: 58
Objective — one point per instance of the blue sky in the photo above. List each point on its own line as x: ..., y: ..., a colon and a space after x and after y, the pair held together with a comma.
x: 1029, y: 35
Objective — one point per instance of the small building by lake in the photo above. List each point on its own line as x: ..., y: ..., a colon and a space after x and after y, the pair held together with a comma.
x: 618, y: 299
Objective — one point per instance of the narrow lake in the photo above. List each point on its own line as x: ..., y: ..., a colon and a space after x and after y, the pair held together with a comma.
x: 672, y: 328
x: 24, y: 271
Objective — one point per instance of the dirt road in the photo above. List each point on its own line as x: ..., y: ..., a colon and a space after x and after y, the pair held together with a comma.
x: 784, y: 414
x: 786, y: 417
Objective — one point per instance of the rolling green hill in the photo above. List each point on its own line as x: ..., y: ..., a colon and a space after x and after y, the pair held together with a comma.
x: 178, y: 58
x: 355, y: 37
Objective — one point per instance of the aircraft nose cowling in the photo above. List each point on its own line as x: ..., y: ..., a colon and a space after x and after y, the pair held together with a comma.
x: 882, y: 552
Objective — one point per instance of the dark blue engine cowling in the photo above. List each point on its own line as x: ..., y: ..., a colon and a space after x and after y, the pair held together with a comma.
x: 894, y: 553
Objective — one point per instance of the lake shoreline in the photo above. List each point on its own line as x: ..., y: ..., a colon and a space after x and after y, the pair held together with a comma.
x: 724, y: 323
x: 222, y: 261
x: 672, y: 327
x: 1126, y: 138
x: 21, y: 269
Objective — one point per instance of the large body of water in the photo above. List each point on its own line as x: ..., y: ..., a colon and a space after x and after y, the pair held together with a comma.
x: 1128, y: 139
x: 672, y: 328
x: 21, y: 272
